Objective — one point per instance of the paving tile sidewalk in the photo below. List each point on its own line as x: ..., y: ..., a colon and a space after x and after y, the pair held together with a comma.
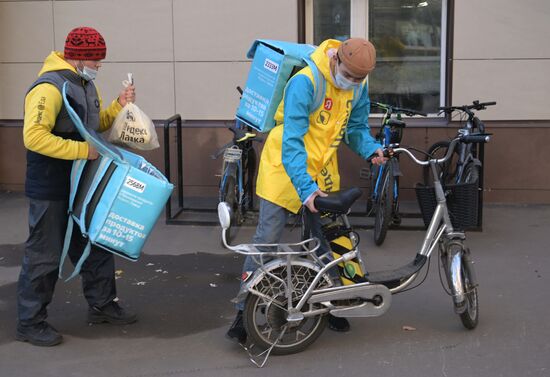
x: 182, y: 285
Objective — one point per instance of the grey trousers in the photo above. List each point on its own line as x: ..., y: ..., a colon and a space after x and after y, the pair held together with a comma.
x: 40, y: 267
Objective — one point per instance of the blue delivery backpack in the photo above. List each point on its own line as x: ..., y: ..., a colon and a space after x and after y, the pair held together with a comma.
x: 115, y: 200
x: 273, y: 64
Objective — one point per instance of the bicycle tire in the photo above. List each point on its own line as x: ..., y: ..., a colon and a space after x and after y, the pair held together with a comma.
x: 470, y: 174
x: 229, y: 195
x: 470, y: 316
x: 383, y: 206
x: 265, y: 317
x: 447, y: 170
x: 250, y: 169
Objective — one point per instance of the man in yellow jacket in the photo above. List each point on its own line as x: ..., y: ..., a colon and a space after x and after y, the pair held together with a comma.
x: 299, y: 160
x: 52, y: 144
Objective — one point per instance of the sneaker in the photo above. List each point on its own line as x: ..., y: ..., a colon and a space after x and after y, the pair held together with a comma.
x: 111, y: 313
x: 237, y: 331
x: 40, y: 334
x: 338, y: 324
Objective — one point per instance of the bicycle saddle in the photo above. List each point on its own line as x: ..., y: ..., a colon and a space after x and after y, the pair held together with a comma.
x: 338, y: 202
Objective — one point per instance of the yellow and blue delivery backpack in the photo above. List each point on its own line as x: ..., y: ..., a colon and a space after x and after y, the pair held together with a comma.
x: 115, y: 200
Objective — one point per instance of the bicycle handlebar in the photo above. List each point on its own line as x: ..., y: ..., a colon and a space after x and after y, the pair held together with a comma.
x: 450, y: 150
x: 475, y: 139
x: 476, y: 105
x: 399, y: 110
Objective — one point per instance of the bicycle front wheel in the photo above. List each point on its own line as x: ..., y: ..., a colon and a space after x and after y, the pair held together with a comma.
x: 470, y: 315
x: 461, y: 279
x: 229, y: 195
x: 383, y: 205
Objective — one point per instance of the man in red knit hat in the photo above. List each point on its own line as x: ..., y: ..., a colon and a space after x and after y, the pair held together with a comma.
x: 52, y: 144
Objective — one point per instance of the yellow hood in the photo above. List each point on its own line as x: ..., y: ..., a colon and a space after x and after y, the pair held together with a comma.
x: 321, y: 57
x: 55, y: 62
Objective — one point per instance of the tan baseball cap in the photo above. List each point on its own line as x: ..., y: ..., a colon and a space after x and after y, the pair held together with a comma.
x: 358, y: 55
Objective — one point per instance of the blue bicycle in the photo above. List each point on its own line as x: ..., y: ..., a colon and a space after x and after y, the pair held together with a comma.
x: 383, y: 200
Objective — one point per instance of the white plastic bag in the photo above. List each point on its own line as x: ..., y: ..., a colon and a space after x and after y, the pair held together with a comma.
x: 133, y: 128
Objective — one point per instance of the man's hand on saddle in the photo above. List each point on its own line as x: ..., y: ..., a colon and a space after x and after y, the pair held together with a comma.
x: 310, y: 202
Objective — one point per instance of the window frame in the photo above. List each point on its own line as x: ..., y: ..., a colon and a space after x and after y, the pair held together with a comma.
x: 359, y: 20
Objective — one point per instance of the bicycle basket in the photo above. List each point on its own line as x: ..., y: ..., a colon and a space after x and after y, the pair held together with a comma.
x: 462, y: 202
x: 232, y: 154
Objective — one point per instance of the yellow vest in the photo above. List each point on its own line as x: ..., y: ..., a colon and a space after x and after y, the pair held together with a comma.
x: 327, y: 127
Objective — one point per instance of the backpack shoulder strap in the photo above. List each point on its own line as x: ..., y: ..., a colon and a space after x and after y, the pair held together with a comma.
x: 85, y: 253
x: 319, y: 86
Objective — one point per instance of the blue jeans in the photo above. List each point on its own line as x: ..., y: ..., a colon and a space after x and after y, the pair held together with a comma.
x: 271, y: 224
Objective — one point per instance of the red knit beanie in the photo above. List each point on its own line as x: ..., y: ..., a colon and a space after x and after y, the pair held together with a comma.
x: 85, y: 43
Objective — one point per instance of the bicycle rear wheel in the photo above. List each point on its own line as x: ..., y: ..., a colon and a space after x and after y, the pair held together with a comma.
x: 383, y: 205
x: 447, y: 170
x: 265, y: 317
x: 471, y: 174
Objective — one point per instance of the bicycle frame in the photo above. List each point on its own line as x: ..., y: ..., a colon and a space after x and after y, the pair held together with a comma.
x: 440, y: 227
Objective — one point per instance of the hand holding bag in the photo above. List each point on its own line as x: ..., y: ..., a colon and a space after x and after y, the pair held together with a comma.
x: 132, y: 127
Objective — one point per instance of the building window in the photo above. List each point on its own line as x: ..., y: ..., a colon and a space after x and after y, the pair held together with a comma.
x: 410, y: 40
x: 331, y: 20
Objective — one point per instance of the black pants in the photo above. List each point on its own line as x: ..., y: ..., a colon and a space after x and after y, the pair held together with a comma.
x: 40, y: 268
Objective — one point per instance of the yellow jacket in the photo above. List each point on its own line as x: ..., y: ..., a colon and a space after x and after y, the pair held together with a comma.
x: 42, y: 106
x: 299, y: 154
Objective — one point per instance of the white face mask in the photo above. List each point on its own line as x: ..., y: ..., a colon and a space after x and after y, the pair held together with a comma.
x: 343, y: 82
x: 86, y: 73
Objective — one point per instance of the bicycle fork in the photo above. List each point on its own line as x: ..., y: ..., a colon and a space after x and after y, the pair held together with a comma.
x: 456, y: 259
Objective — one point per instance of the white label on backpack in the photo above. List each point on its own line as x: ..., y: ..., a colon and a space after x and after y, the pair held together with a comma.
x: 134, y: 184
x: 270, y: 65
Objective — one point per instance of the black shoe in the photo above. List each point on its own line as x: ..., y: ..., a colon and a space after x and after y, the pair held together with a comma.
x: 40, y: 334
x: 111, y: 313
x: 237, y: 332
x: 338, y: 324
